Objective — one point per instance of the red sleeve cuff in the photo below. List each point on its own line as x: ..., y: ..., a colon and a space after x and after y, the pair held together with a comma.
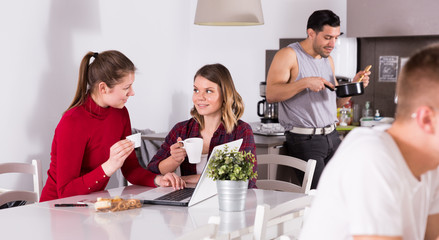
x: 96, y: 180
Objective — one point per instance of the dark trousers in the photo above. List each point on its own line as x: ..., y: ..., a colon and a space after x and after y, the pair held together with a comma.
x: 318, y: 147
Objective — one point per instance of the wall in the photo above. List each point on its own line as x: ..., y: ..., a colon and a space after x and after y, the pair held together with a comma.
x: 378, y: 18
x: 43, y: 42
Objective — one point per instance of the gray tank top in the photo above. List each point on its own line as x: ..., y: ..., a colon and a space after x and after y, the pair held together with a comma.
x: 309, y: 109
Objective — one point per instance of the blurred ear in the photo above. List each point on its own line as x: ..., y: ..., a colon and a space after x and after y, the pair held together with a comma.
x: 426, y: 119
x: 311, y: 33
x: 103, y: 88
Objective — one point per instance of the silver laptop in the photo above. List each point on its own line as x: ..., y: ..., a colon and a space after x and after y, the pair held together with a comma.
x: 204, y: 189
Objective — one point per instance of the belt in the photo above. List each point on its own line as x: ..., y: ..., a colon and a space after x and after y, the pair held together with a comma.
x: 314, y: 131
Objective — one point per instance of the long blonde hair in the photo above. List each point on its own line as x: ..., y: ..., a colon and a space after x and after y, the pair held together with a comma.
x: 232, y: 106
x: 108, y: 67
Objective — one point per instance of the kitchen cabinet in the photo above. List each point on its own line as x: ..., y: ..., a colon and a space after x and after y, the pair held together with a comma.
x: 269, y: 144
x: 378, y: 18
x: 382, y: 94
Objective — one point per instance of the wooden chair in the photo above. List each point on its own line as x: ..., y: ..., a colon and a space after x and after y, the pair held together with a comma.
x: 206, y: 232
x: 273, y: 160
x: 281, y: 221
x: 10, y: 195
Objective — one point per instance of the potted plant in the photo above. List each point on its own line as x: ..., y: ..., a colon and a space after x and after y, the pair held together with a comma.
x: 232, y: 169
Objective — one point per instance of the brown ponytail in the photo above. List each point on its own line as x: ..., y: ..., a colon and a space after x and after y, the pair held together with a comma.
x: 81, y: 90
x: 108, y: 67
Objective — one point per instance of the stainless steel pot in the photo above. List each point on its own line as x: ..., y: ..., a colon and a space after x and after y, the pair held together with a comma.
x: 231, y: 195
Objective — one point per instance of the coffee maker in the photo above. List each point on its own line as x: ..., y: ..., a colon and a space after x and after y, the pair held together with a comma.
x: 269, y: 111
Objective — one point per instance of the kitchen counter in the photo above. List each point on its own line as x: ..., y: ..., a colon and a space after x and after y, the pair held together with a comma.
x: 264, y: 144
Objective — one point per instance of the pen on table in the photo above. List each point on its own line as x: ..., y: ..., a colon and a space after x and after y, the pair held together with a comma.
x: 71, y: 205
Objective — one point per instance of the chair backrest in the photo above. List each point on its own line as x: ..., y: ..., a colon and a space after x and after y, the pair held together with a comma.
x: 9, y: 195
x: 274, y: 160
x: 283, y: 219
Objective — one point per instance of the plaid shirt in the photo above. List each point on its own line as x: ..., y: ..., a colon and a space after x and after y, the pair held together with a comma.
x: 190, y: 128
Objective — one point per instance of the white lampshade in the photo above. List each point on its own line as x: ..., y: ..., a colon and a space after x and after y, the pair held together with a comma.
x: 229, y: 13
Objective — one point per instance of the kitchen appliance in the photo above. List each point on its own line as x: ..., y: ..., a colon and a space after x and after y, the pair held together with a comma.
x: 267, y: 111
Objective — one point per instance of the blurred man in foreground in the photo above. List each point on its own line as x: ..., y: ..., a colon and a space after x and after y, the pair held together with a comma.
x: 383, y: 182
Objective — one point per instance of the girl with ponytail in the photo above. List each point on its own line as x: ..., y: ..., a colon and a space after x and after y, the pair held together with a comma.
x: 90, y: 141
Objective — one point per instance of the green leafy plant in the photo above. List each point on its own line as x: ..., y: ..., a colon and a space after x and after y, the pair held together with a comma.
x: 232, y: 165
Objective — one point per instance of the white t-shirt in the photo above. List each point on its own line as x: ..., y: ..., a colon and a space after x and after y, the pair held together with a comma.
x: 368, y: 189
x: 202, y: 163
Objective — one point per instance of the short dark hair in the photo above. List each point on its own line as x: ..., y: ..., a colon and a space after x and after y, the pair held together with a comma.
x: 320, y: 18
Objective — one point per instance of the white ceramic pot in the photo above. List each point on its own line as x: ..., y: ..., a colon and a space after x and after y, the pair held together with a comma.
x: 231, y: 195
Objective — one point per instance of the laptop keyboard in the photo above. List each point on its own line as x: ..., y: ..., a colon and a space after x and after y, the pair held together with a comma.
x: 177, y: 195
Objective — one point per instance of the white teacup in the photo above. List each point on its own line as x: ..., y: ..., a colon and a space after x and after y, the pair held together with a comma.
x: 136, y: 138
x: 194, y: 147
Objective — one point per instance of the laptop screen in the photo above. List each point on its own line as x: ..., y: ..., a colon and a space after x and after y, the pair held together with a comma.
x: 204, y: 189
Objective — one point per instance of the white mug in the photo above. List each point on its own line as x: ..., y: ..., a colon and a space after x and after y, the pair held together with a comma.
x: 136, y: 138
x: 194, y: 147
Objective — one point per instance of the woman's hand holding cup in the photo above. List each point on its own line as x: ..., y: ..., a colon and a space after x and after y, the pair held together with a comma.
x: 118, y: 154
x: 178, y: 153
x: 194, y: 148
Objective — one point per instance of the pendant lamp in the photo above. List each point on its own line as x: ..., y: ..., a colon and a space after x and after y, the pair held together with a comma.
x: 229, y: 13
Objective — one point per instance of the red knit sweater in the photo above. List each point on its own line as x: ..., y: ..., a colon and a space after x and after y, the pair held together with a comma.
x: 82, y: 144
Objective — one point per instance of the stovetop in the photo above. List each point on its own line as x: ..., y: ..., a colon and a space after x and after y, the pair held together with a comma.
x: 267, y: 129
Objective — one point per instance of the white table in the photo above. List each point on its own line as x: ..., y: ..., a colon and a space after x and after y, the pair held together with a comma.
x: 44, y: 221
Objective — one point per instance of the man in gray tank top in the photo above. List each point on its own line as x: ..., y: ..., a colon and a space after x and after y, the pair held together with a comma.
x: 297, y: 79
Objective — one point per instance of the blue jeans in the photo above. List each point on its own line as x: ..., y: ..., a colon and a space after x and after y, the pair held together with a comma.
x: 318, y: 147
